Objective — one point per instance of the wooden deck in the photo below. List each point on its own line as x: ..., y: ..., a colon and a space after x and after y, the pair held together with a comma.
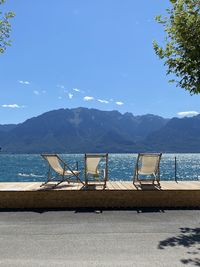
x: 111, y: 185
x: 116, y: 195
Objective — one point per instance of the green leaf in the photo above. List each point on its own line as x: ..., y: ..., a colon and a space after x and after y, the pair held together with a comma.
x: 5, y: 28
x: 181, y: 52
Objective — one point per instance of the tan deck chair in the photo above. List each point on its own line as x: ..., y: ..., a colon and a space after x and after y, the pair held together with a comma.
x: 147, y: 165
x: 61, y: 169
x: 94, y: 175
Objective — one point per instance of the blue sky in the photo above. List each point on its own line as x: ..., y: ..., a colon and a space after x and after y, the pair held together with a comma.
x: 95, y: 54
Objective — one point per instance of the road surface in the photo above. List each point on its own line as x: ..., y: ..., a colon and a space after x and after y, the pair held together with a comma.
x: 93, y: 238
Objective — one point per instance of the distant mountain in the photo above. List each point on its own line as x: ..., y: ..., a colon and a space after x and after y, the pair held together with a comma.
x: 83, y: 130
x: 178, y: 135
x: 3, y: 131
x: 80, y: 130
x: 7, y: 127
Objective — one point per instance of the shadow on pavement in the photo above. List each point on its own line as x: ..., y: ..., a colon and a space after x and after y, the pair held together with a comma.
x: 97, y: 210
x: 87, y: 210
x: 150, y: 210
x: 188, y: 238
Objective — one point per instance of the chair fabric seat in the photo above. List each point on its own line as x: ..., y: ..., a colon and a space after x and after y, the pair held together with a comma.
x: 61, y: 168
x: 70, y: 172
x: 67, y: 172
x: 147, y: 164
x: 92, y: 172
x: 146, y: 173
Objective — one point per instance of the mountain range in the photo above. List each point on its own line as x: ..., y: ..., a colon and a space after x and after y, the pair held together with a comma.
x: 82, y: 130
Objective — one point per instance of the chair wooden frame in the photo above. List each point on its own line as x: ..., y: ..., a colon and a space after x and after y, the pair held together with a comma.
x: 64, y: 173
x: 155, y: 173
x: 98, y: 171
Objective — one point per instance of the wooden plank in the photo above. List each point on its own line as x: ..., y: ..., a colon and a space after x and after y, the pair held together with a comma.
x: 123, y: 185
x: 126, y: 186
x: 197, y: 184
x: 32, y: 186
x: 119, y: 185
x: 181, y: 185
x: 169, y: 185
x: 188, y: 186
x: 112, y: 185
x: 109, y: 186
x: 115, y: 187
x: 129, y: 186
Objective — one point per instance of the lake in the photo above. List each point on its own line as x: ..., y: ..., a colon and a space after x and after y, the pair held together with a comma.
x: 30, y: 168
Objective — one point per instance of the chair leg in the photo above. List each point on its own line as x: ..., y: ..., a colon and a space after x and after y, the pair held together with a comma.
x: 49, y: 178
x: 44, y: 183
x: 59, y: 183
x: 153, y: 179
x: 158, y: 182
x: 104, y: 187
x: 135, y: 179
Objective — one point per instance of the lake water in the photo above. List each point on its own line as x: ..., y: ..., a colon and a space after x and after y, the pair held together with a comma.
x: 19, y: 168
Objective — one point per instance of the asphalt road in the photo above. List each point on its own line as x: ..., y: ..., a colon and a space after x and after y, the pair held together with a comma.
x: 111, y: 238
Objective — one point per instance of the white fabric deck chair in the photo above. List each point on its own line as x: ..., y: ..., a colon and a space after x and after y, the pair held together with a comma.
x: 93, y: 174
x: 61, y: 169
x: 147, y: 165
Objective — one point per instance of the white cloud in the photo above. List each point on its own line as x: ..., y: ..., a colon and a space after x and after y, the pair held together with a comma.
x: 36, y: 92
x: 119, y: 103
x: 76, y: 90
x: 11, y: 106
x: 61, y: 86
x: 103, y: 101
x: 88, y: 98
x: 70, y: 96
x: 60, y: 97
x: 44, y: 91
x: 24, y: 82
x: 187, y: 113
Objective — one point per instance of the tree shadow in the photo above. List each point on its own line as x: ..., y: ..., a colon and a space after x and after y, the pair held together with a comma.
x: 188, y: 238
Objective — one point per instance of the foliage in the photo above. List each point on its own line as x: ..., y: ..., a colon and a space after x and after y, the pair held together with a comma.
x: 5, y: 28
x: 181, y: 50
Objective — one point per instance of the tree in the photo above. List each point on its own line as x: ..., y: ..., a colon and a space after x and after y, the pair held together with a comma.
x: 5, y: 28
x: 181, y: 50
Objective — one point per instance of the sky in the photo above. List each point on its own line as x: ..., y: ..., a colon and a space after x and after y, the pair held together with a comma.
x: 94, y: 54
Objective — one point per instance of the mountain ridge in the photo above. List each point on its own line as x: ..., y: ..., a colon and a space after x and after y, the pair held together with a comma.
x: 83, y: 130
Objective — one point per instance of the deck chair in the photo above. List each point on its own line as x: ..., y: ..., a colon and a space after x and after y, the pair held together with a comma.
x: 61, y: 169
x: 147, y: 165
x: 93, y: 174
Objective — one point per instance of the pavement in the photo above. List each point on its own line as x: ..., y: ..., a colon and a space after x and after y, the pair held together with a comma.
x: 100, y: 238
